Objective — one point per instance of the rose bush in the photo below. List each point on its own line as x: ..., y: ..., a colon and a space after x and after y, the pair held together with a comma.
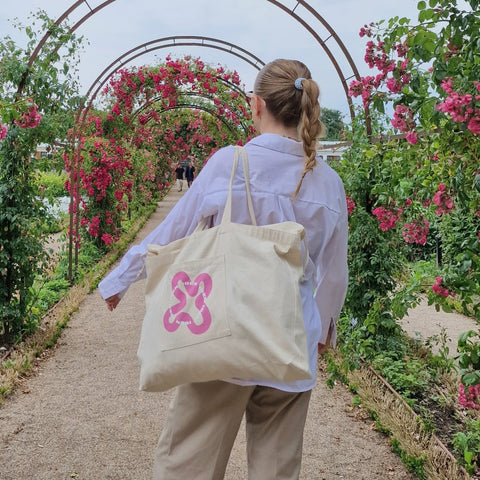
x: 426, y: 183
x: 157, y: 117
x: 415, y: 186
x: 36, y: 103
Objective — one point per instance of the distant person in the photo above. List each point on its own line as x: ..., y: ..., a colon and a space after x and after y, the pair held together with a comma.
x: 203, y: 419
x: 190, y: 173
x: 179, y: 173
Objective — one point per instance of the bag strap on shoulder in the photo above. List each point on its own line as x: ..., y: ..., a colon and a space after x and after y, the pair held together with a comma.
x: 227, y: 214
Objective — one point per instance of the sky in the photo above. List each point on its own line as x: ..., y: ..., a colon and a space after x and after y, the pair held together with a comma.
x: 258, y: 26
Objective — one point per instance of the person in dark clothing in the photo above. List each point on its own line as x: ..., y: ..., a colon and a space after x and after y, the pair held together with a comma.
x: 190, y: 173
x: 179, y: 173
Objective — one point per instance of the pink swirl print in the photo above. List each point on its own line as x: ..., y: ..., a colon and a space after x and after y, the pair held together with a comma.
x: 175, y: 316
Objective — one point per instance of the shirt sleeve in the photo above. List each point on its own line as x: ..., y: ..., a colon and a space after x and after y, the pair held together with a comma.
x: 180, y: 222
x: 332, y: 279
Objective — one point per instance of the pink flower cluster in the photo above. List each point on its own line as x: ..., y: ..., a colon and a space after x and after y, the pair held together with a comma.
x: 443, y: 200
x: 403, y: 121
x: 461, y: 106
x: 366, y: 30
x: 3, y: 131
x: 395, y: 75
x: 469, y: 398
x: 388, y: 218
x: 31, y: 118
x: 364, y: 87
x: 350, y: 205
x: 416, y: 232
x: 439, y: 290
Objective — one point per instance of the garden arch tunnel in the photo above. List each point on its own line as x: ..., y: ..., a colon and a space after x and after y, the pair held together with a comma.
x: 172, y: 41
x: 191, y: 105
x: 108, y: 73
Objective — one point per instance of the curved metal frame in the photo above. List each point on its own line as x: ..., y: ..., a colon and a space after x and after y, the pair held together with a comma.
x: 140, y: 50
x: 114, y: 67
x: 188, y: 105
x: 292, y: 12
x: 175, y: 41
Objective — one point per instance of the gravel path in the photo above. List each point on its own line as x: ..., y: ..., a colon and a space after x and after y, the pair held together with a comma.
x: 82, y: 416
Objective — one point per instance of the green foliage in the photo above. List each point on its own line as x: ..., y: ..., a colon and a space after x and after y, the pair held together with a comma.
x: 51, y: 185
x: 47, y: 88
x: 408, y: 376
x: 21, y: 251
x: 469, y: 357
x: 468, y: 446
x: 428, y: 183
x: 334, y: 124
x: 416, y: 465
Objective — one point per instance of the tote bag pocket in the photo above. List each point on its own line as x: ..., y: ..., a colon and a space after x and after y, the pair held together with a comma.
x: 190, y: 303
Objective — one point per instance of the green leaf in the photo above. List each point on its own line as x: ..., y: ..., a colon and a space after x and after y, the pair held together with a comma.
x: 421, y: 5
x: 470, y: 379
x: 477, y: 182
x: 463, y: 337
x: 446, y: 308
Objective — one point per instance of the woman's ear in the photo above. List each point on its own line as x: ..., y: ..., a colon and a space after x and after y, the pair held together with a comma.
x: 258, y: 105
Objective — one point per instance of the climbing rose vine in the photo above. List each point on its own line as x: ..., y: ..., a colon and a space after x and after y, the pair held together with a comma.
x: 158, y: 116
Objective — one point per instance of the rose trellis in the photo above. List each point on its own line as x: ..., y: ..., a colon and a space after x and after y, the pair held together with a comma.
x: 126, y: 151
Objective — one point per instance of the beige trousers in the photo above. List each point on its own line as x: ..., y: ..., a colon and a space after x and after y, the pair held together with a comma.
x: 202, y: 423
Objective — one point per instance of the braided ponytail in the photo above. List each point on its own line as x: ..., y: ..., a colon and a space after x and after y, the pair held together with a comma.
x: 291, y: 96
x: 310, y: 127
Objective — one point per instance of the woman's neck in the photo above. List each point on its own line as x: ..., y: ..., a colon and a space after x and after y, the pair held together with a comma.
x: 269, y: 125
x: 284, y: 132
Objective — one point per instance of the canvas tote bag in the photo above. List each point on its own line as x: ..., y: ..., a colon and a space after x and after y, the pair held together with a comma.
x: 224, y: 303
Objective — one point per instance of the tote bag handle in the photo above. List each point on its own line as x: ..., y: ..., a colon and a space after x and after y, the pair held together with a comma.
x: 227, y: 213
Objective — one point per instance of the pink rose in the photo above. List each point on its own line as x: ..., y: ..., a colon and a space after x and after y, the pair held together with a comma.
x: 474, y: 125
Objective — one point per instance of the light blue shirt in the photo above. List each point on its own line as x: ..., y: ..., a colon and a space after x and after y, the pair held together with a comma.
x: 276, y: 164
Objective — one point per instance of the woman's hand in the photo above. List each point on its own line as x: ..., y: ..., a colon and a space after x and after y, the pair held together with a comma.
x: 113, y: 301
x: 323, y: 347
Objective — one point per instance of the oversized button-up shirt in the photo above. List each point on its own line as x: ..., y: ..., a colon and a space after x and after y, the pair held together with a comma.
x: 276, y: 164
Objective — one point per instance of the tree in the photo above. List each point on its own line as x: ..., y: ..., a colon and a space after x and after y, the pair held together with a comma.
x: 332, y: 119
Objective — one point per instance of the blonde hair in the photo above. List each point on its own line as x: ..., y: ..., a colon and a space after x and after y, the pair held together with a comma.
x: 293, y: 107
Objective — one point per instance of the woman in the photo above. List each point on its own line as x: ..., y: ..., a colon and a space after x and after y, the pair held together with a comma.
x: 288, y: 181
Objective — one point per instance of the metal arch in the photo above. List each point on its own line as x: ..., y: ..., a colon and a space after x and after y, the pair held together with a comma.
x: 83, y: 111
x: 324, y: 45
x: 115, y: 65
x: 291, y: 12
x: 184, y: 41
x: 194, y: 106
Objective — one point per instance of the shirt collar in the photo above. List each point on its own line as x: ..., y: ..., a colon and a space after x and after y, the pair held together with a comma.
x: 278, y: 143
